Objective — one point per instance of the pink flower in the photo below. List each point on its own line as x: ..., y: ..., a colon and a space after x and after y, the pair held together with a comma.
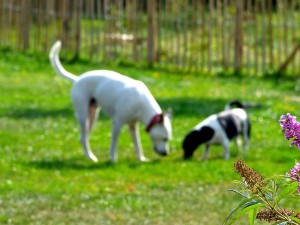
x: 291, y: 129
x: 294, y: 174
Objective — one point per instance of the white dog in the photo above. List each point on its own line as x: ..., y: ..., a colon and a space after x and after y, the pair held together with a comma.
x: 124, y: 100
x: 219, y: 129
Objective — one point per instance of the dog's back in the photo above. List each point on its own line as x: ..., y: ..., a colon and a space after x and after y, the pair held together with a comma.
x: 234, y: 122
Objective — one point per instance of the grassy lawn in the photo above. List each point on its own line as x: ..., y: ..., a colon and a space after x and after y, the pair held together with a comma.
x: 45, y: 178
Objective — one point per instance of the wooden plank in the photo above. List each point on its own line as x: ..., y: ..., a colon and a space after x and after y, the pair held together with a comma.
x: 135, y: 30
x: 177, y: 46
x: 256, y: 40
x: 270, y: 32
x: 278, y: 12
x: 203, y: 36
x: 152, y: 32
x: 224, y: 42
x: 219, y: 18
x: 170, y: 27
x: 263, y: 36
x: 4, y: 22
x: 293, y: 30
x: 77, y: 15
x: 184, y: 32
x: 91, y: 19
x: 285, y: 27
x: 65, y: 23
x: 195, y: 37
x: 238, y: 57
x: 210, y: 34
x: 24, y: 37
x: 248, y: 37
x: 40, y: 37
x: 129, y: 26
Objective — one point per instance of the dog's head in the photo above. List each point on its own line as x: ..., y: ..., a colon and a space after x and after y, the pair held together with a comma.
x: 160, y: 133
x: 194, y: 139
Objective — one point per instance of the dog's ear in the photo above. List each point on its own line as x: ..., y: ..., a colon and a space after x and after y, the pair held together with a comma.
x: 169, y: 113
x: 160, y: 118
x: 196, y: 138
x: 191, y: 143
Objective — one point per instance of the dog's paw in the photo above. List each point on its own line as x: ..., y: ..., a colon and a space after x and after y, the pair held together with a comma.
x: 93, y: 158
x: 114, y: 159
x: 143, y: 159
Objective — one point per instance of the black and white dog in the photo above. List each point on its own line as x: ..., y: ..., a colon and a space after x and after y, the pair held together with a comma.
x: 220, y: 129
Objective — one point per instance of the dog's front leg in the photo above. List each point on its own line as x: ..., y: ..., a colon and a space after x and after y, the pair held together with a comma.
x: 114, y: 140
x: 205, y: 153
x: 135, y: 135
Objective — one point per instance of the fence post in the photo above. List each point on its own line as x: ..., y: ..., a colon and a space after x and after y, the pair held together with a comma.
x: 78, y: 8
x: 25, y: 24
x: 152, y: 32
x: 65, y: 22
x: 238, y: 51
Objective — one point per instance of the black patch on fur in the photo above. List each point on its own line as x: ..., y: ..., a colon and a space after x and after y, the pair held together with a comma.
x: 196, y: 138
x: 230, y: 123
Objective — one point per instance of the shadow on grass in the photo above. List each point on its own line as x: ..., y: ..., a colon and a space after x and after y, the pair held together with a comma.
x: 81, y: 164
x: 196, y: 106
x: 34, y: 113
x: 187, y: 106
x: 72, y: 163
x: 184, y: 106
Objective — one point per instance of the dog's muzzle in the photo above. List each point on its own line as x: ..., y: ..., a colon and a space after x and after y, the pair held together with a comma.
x: 161, y: 153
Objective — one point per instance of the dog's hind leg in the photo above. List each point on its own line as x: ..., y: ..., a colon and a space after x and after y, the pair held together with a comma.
x: 246, y: 138
x: 85, y: 123
x: 238, y: 143
x: 135, y: 135
x: 226, y: 149
x: 93, y: 113
x: 245, y: 146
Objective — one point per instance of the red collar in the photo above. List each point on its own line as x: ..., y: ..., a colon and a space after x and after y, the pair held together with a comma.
x: 158, y: 118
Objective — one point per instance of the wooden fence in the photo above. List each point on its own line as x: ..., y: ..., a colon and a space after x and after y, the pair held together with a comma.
x: 256, y: 36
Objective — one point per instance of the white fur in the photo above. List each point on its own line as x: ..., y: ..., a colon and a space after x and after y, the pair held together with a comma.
x: 124, y: 100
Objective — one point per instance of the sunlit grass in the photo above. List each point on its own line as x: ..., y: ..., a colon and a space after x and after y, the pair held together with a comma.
x: 45, y: 178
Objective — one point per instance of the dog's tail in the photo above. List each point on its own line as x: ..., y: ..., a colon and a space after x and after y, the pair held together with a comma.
x: 238, y: 104
x: 55, y: 62
x: 235, y: 103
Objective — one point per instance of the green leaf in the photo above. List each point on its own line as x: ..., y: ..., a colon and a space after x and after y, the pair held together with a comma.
x: 255, y: 205
x: 234, y: 210
x: 295, y: 219
x: 252, y: 215
x: 296, y: 212
x: 245, y: 194
x: 244, y: 207
x: 286, y: 191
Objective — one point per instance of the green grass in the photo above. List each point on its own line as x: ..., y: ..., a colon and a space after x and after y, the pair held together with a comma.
x: 45, y: 178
